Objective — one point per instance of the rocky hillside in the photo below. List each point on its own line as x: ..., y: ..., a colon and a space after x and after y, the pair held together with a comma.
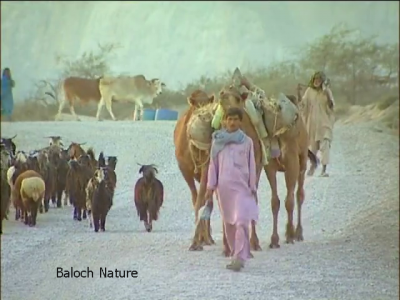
x: 175, y: 41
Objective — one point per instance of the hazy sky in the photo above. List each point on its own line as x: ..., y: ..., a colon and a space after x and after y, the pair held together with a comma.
x: 175, y: 41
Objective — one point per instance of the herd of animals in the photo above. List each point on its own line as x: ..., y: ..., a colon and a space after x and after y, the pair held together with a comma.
x: 30, y: 181
x: 90, y: 184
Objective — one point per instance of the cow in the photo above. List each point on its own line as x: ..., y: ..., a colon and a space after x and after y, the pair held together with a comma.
x: 134, y: 89
x: 77, y: 89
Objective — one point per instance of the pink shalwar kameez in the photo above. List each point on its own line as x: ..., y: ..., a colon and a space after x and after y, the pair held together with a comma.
x: 232, y: 173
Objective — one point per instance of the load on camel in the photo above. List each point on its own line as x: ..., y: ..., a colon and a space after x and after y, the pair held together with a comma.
x: 264, y: 121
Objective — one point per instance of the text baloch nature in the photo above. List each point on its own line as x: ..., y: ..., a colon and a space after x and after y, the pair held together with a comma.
x: 88, y: 273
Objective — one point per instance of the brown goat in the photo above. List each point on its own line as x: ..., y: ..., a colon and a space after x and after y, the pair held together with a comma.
x: 20, y: 208
x: 77, y: 179
x: 149, y: 196
x: 48, y: 172
x: 75, y: 150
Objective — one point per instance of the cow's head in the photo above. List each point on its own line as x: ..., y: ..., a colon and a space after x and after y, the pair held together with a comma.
x: 157, y: 86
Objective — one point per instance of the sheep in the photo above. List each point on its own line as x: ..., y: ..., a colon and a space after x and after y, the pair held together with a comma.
x: 149, y: 196
x: 20, y: 210
x: 32, y: 192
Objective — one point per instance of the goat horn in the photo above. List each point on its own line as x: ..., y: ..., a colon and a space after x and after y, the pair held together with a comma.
x: 80, y: 144
x: 139, y: 164
x: 13, y: 137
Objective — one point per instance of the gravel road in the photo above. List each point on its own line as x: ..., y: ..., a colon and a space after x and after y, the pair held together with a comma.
x: 350, y: 221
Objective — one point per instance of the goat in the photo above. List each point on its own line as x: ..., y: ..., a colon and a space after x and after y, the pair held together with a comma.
x: 111, y: 165
x: 55, y: 141
x: 99, y: 198
x: 112, y: 162
x: 5, y: 188
x: 75, y: 150
x: 62, y: 170
x: 78, y: 176
x: 32, y: 192
x: 9, y: 144
x: 149, y: 196
x: 48, y: 173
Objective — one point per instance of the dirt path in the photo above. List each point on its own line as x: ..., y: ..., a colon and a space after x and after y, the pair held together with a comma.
x: 351, y: 247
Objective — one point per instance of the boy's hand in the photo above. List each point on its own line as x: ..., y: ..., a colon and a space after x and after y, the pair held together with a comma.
x: 208, y: 195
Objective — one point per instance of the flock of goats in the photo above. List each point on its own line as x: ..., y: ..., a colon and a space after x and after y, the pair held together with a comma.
x: 31, y: 180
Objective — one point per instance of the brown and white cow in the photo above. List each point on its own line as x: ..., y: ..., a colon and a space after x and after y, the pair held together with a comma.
x: 76, y: 89
x: 134, y: 89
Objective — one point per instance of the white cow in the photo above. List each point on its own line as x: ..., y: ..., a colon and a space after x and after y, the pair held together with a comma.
x: 135, y: 89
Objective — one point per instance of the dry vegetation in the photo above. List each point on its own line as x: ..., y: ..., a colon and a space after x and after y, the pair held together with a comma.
x: 361, y: 72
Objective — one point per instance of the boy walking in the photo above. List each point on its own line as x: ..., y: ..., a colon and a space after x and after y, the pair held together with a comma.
x: 232, y: 174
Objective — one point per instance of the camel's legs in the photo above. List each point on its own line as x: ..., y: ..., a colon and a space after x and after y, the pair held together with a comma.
x: 190, y: 182
x: 203, y: 230
x: 275, y: 204
x: 291, y: 176
x: 314, y: 149
x: 254, y: 242
x: 300, y: 196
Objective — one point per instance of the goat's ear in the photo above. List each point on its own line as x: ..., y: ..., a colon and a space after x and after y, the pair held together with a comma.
x: 141, y: 170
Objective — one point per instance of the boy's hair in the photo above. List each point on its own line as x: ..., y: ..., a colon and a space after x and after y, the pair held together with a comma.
x: 234, y: 111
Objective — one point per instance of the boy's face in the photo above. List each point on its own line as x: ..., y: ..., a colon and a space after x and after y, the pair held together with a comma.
x: 232, y: 123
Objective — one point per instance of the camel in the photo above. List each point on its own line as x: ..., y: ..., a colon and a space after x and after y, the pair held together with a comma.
x: 189, y: 163
x: 292, y: 162
x: 193, y: 161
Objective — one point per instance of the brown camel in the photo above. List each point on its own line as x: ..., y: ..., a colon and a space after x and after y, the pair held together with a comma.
x: 293, y: 162
x: 193, y: 162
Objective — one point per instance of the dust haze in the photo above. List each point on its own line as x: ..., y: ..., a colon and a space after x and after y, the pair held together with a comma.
x: 178, y: 42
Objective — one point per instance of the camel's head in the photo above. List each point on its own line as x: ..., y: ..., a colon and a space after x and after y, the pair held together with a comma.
x: 229, y: 96
x: 200, y: 98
